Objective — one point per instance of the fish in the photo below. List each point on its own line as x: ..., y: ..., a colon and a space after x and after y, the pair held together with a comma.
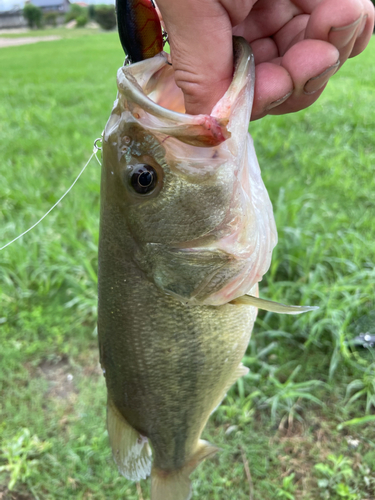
x: 186, y: 235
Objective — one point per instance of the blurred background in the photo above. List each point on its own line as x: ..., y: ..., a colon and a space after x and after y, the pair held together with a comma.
x: 56, y: 13
x: 301, y: 424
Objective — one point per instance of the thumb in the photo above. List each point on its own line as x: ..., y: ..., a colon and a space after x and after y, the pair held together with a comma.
x: 200, y: 37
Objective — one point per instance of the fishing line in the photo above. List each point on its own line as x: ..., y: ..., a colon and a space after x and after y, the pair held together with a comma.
x: 94, y: 153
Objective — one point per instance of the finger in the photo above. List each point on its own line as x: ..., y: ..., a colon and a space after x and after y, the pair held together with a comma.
x: 310, y: 64
x: 340, y: 22
x: 273, y: 85
x: 291, y: 33
x: 335, y: 21
x: 266, y: 18
x: 365, y: 30
x: 264, y: 50
x: 200, y: 37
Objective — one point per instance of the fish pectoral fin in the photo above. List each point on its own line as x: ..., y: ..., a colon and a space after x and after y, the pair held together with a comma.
x: 176, y: 485
x: 131, y: 451
x: 269, y: 305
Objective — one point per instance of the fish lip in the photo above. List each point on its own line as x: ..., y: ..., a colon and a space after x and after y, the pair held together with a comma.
x: 128, y: 81
x: 203, y: 130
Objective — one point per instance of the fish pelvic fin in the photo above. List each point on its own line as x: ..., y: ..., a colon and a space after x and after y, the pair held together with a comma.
x: 176, y: 485
x: 131, y: 451
x: 269, y: 305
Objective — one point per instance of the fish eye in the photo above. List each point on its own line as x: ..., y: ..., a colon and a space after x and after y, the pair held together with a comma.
x: 143, y: 178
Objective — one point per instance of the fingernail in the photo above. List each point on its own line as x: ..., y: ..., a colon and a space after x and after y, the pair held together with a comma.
x: 363, y: 24
x: 279, y: 101
x: 339, y: 37
x: 317, y: 82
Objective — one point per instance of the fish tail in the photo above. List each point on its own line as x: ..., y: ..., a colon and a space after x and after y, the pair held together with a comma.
x: 170, y: 485
x: 176, y: 485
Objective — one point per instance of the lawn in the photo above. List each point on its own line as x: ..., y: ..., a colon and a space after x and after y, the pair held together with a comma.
x: 286, y: 430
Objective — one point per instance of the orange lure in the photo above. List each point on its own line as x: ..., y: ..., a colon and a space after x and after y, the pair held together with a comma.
x: 139, y: 29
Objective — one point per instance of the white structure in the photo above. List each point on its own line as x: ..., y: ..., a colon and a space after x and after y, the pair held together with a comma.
x: 52, y: 5
x: 12, y: 19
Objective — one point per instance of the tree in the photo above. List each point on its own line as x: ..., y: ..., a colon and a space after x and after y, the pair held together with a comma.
x: 91, y: 10
x: 33, y: 15
x: 105, y: 16
x: 81, y: 21
x: 75, y: 12
x: 50, y: 18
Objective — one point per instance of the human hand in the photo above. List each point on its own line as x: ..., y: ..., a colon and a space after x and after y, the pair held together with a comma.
x: 298, y: 45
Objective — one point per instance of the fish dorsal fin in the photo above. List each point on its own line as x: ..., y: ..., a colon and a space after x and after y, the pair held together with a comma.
x: 269, y: 305
x: 131, y: 451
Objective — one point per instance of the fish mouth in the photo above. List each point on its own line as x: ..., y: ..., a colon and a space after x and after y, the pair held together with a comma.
x: 148, y: 90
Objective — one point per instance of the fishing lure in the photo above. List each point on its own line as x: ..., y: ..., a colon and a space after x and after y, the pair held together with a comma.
x: 139, y: 29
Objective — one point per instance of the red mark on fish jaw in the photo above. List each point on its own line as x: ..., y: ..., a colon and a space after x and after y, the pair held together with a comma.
x: 213, y: 131
x: 168, y: 136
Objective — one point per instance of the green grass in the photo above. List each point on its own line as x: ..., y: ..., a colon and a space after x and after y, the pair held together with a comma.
x: 282, y: 419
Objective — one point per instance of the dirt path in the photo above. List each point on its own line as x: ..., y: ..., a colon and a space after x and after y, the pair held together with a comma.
x: 9, y: 42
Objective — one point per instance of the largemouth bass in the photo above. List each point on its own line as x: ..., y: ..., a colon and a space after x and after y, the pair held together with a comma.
x: 186, y: 232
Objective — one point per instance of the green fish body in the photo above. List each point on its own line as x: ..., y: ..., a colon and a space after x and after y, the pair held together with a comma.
x: 186, y: 229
